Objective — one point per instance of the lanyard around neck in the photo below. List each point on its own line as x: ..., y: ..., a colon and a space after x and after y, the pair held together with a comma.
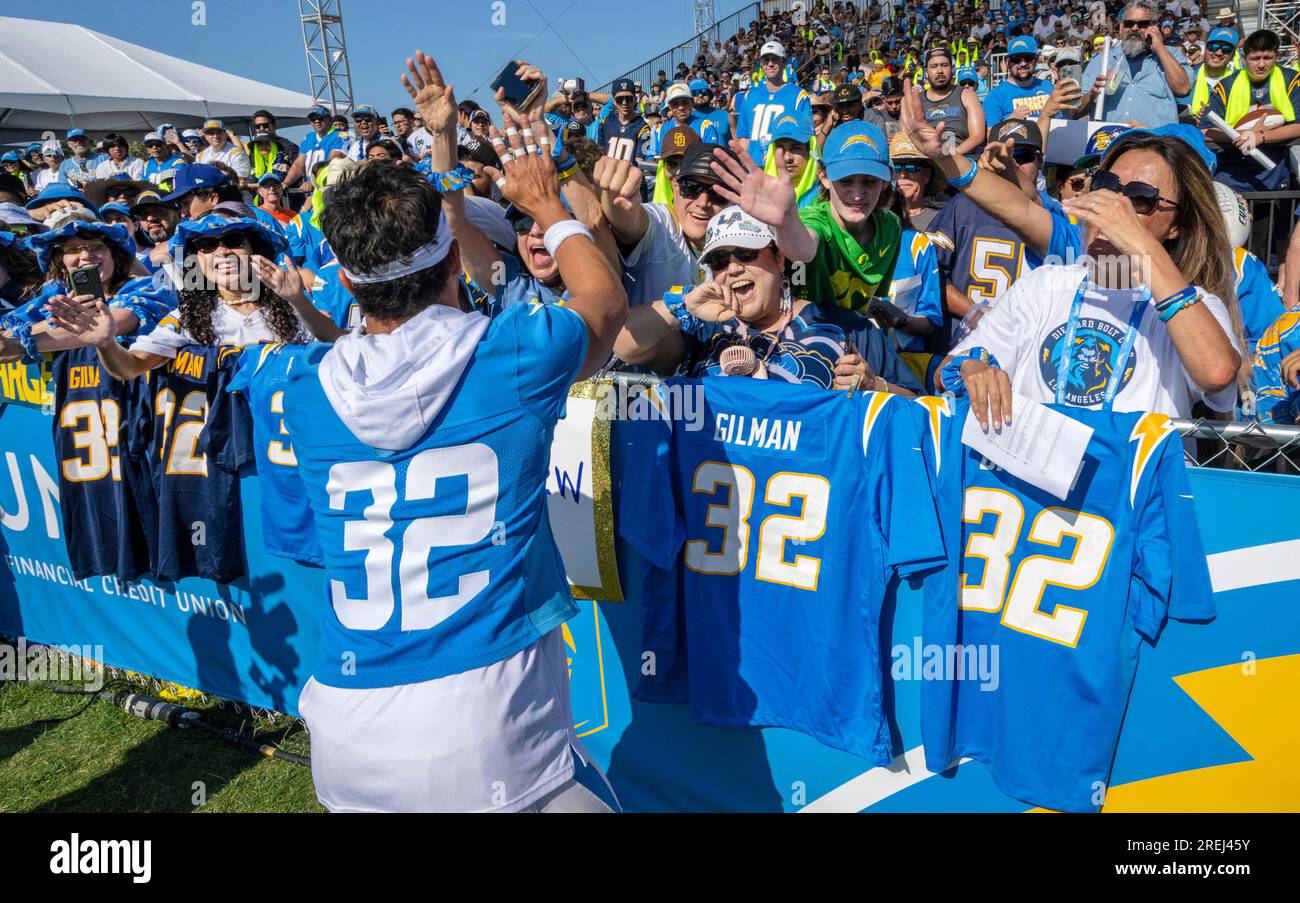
x: 1122, y: 356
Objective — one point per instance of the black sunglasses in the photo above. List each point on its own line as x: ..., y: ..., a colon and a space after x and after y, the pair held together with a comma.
x: 1145, y: 197
x: 718, y: 260
x: 523, y: 225
x: 1077, y: 182
x: 624, y: 98
x: 1138, y: 23
x: 1022, y: 58
x: 1025, y: 154
x: 691, y: 189
x: 231, y: 240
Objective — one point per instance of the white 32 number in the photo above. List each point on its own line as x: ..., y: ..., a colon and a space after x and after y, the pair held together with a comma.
x: 732, y: 518
x: 374, y: 608
x: 1020, y: 605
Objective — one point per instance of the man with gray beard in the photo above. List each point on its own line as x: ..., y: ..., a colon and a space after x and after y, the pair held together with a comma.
x: 1147, y: 75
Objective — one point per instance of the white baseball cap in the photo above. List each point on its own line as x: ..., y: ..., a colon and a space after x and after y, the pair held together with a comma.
x: 773, y: 48
x: 734, y: 228
x: 676, y: 91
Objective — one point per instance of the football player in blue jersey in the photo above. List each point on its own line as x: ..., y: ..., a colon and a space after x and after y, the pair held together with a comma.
x: 761, y: 106
x: 423, y: 441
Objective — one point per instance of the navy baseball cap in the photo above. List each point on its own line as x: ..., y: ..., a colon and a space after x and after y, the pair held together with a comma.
x: 623, y: 86
x: 318, y: 111
x: 1022, y: 44
x: 196, y: 175
x: 857, y: 148
x: 76, y: 133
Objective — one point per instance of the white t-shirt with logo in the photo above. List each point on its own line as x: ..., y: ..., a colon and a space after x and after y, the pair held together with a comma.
x: 1025, y: 330
x: 229, y: 155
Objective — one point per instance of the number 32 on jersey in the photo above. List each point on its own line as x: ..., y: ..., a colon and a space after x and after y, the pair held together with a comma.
x: 732, y: 518
x: 1093, y: 538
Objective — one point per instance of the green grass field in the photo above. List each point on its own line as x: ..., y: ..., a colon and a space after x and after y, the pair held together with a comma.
x: 105, y: 760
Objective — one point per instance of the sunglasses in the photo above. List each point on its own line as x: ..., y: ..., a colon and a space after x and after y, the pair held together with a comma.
x: 910, y: 168
x: 1218, y: 47
x: 1022, y: 58
x: 718, y: 260
x: 690, y: 189
x: 1076, y: 183
x: 364, y: 119
x: 261, y: 126
x: 1138, y: 23
x: 523, y: 225
x: 233, y: 241
x: 624, y: 98
x: 87, y: 247
x: 1026, y: 155
x: 1145, y: 198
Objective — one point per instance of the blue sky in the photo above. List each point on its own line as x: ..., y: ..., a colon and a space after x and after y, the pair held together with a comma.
x: 262, y: 39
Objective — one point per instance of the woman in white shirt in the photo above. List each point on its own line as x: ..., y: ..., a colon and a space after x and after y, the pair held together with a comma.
x: 231, y: 293
x: 1147, y: 321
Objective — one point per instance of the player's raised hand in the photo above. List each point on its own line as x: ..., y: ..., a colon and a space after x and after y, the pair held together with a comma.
x: 433, y: 97
x: 619, y: 181
x: 527, y: 178
x: 928, y: 138
x: 768, y: 199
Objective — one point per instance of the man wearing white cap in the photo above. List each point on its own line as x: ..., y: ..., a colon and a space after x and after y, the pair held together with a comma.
x: 761, y: 106
x: 679, y: 109
x: 53, y: 152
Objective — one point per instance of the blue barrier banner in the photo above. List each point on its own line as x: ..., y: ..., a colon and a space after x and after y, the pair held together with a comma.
x: 1210, y: 724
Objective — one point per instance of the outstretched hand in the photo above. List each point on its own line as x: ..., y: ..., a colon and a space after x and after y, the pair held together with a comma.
x: 768, y: 199
x: 527, y: 178
x: 284, y: 281
x: 433, y: 98
x: 86, y: 318
x: 928, y: 138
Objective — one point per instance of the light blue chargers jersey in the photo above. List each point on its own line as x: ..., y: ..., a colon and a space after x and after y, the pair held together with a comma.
x: 1046, y: 603
x: 791, y: 509
x: 330, y: 295
x: 439, y: 556
x: 288, y: 527
x: 916, y: 286
x: 758, y: 109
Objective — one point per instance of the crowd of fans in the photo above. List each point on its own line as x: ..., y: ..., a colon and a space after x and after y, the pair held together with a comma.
x: 846, y: 197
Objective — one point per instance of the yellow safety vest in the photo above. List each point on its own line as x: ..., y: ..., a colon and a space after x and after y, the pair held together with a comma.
x: 1201, y: 89
x: 1239, y: 96
x: 262, y: 163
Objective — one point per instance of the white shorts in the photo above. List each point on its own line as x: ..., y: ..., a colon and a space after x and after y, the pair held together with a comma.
x: 494, y: 739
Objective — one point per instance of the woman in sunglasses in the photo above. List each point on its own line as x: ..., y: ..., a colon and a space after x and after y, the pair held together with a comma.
x: 231, y: 294
x: 744, y: 322
x: 132, y: 300
x: 1146, y: 321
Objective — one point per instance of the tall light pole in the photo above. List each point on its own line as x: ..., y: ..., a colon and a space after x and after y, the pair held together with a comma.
x: 327, y: 53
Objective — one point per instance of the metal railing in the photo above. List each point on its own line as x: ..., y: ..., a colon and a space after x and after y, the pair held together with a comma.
x: 687, y: 51
x: 1273, y: 216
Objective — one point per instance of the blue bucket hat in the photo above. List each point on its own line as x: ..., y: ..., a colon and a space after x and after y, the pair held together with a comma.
x: 213, y: 226
x: 59, y: 191
x: 857, y: 148
x: 43, y: 245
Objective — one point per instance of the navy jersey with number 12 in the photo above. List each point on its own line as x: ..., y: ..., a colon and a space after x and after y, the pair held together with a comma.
x: 1066, y: 591
x: 792, y: 509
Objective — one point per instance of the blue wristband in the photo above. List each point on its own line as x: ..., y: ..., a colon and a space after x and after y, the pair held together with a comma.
x: 964, y: 180
x: 457, y: 179
x: 1183, y: 298
x: 675, y: 301
x: 23, y: 333
x: 950, y: 375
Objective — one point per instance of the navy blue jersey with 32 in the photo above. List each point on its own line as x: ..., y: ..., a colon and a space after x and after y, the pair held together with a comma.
x: 105, y: 531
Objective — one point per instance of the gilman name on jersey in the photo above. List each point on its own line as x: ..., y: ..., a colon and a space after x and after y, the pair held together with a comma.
x: 757, y: 432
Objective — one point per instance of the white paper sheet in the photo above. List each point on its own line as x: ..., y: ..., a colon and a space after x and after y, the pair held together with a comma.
x: 1040, y: 446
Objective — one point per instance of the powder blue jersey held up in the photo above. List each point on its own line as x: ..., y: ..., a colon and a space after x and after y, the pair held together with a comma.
x: 792, y: 508
x: 758, y: 109
x: 439, y: 556
x: 1066, y: 591
x: 288, y: 527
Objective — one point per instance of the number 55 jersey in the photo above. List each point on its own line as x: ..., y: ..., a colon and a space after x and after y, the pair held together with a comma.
x: 1059, y: 595
x: 792, y: 509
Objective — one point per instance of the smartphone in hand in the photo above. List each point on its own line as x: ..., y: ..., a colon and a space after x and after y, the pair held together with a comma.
x: 85, y: 281
x: 516, y: 92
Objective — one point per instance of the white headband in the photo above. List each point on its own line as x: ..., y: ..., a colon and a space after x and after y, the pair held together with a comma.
x: 422, y: 258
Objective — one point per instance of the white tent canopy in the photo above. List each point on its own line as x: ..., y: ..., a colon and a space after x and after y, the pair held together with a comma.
x: 55, y: 76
